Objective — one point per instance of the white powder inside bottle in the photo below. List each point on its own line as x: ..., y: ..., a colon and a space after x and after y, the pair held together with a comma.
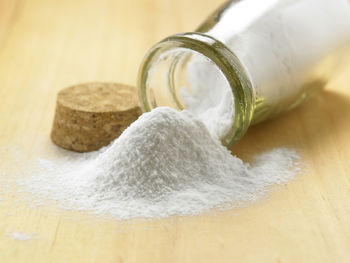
x: 278, y: 42
x: 208, y: 95
x: 166, y: 163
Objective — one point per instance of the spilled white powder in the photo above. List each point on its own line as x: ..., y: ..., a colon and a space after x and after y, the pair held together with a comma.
x: 166, y: 163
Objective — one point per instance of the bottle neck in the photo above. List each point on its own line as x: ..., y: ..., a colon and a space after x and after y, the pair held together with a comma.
x: 164, y: 73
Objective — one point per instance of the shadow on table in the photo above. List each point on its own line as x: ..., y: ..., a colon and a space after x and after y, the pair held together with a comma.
x: 307, y: 127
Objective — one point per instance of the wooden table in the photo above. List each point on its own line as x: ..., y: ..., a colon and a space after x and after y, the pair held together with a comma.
x: 48, y: 45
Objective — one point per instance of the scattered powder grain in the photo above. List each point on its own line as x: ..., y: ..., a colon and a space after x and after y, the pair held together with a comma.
x: 166, y: 163
x: 20, y: 236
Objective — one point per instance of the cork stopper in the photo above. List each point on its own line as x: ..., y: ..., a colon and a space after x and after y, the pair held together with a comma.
x: 91, y: 115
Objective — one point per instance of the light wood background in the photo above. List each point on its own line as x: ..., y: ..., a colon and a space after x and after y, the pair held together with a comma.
x: 46, y: 45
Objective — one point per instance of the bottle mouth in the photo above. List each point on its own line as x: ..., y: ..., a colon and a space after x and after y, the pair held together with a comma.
x: 196, y: 72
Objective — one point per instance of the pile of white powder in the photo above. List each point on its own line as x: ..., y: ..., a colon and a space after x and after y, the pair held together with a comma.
x: 166, y: 163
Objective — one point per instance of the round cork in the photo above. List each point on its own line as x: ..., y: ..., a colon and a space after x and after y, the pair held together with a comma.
x: 90, y: 115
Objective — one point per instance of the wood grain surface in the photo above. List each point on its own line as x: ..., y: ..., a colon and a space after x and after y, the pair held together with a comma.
x: 46, y: 45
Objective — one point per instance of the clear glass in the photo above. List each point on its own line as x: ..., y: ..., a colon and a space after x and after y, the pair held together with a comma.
x: 249, y: 61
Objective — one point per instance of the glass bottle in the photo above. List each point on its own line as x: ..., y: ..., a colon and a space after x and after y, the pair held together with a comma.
x: 249, y: 61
